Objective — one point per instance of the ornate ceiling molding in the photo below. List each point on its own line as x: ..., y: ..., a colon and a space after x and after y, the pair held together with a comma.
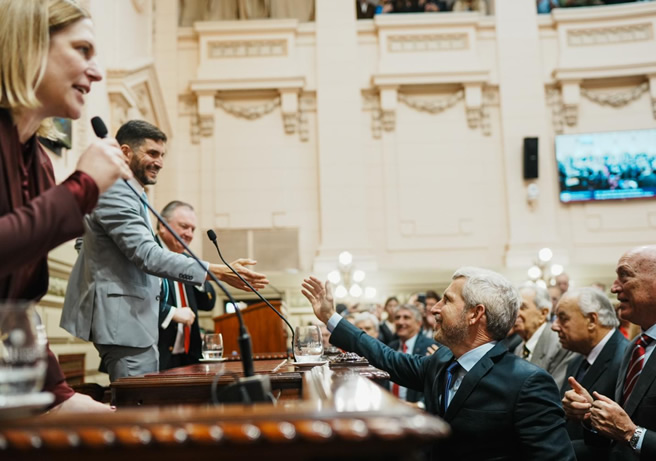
x: 134, y: 92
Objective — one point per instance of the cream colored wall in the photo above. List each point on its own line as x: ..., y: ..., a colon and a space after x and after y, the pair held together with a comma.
x: 337, y: 148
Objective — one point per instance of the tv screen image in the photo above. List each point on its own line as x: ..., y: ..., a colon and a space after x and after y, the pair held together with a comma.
x: 614, y: 165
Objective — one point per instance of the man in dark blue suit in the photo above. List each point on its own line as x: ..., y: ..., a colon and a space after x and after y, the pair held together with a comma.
x: 586, y: 323
x: 628, y: 423
x: 179, y: 341
x: 408, y: 321
x: 499, y: 406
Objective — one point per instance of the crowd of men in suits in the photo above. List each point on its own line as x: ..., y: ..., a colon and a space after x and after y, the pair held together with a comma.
x: 571, y: 388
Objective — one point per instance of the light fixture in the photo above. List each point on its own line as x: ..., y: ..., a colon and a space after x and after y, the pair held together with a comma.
x: 542, y: 273
x: 348, y: 279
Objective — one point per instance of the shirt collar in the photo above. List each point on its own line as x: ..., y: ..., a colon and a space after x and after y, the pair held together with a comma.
x: 471, y: 358
x: 594, y: 353
x: 410, y: 343
x: 533, y: 340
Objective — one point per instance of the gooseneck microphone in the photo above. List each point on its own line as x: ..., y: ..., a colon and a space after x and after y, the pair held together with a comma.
x: 244, y: 340
x: 212, y: 235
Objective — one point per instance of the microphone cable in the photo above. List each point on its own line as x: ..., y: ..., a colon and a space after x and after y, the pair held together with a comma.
x: 212, y: 236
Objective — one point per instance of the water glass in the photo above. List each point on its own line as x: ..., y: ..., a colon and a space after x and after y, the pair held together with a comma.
x: 23, y: 357
x: 308, y: 346
x: 213, y: 346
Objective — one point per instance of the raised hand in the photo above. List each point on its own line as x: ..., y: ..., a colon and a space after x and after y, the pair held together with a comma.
x: 223, y: 273
x: 607, y: 417
x: 577, y: 401
x: 320, y: 296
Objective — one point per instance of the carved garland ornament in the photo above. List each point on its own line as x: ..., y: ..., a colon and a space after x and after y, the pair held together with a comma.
x: 619, y: 99
x: 432, y: 106
x: 248, y: 112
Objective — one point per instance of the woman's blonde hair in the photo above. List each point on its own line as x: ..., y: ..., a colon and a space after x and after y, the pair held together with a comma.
x: 25, y: 30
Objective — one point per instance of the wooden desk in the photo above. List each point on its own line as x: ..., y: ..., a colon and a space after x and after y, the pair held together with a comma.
x: 341, y: 416
x: 192, y: 384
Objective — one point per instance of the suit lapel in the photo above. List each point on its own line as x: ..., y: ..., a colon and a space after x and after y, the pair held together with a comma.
x: 438, y: 382
x: 541, y: 347
x: 619, y: 385
x: 601, y: 363
x: 471, y: 379
x: 645, y: 380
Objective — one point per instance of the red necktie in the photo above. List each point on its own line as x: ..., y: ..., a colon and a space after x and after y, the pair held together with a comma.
x: 635, y: 365
x: 187, y: 329
x: 395, y: 387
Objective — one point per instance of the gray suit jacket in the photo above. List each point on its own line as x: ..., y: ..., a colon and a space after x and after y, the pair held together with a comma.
x: 549, y: 355
x: 113, y: 292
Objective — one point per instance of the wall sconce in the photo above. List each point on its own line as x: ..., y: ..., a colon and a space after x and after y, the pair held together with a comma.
x: 348, y: 280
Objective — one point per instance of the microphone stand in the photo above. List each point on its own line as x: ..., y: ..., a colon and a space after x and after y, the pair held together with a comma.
x: 212, y: 236
x: 257, y: 387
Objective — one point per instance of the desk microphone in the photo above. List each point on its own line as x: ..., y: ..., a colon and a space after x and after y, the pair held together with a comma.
x: 212, y: 235
x: 244, y: 340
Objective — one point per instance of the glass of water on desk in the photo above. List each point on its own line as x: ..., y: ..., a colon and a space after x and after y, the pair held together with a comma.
x: 307, y: 344
x: 213, y: 346
x: 22, y: 349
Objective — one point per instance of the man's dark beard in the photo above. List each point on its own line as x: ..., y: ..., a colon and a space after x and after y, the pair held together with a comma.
x: 139, y: 172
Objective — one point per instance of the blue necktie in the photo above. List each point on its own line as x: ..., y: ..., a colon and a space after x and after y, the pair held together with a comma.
x: 450, y: 373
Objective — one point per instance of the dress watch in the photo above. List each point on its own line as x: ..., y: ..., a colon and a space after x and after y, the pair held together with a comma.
x: 635, y: 438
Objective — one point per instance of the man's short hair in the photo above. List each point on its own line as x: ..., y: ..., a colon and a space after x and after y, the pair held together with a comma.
x: 433, y: 295
x: 500, y: 298
x: 135, y: 132
x: 364, y: 317
x: 416, y: 313
x: 170, y: 207
x: 591, y: 300
x: 541, y: 296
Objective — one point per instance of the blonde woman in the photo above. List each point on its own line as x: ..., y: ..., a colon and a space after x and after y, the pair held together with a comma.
x: 47, y: 66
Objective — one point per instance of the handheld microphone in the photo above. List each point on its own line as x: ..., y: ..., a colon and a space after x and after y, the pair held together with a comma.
x: 244, y: 340
x: 212, y: 235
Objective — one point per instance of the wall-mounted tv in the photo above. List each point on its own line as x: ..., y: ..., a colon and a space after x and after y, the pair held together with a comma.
x: 614, y: 165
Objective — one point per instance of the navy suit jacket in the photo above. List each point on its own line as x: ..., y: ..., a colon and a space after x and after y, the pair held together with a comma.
x: 203, y: 300
x: 600, y: 377
x: 505, y: 408
x: 421, y: 345
x: 640, y: 406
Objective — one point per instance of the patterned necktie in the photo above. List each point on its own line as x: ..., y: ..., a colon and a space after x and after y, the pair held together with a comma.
x: 450, y: 373
x: 395, y: 387
x: 186, y: 329
x: 635, y: 365
x: 526, y: 352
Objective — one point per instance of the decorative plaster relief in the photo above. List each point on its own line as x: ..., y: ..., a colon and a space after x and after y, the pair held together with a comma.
x: 616, y: 99
x: 248, y: 112
x: 57, y: 286
x: 433, y: 42
x: 187, y: 107
x: 432, y: 106
x: 606, y: 35
x: 246, y: 48
x: 554, y: 100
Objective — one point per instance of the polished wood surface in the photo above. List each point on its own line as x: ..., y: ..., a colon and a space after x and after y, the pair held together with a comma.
x: 192, y: 384
x: 265, y: 327
x: 342, y: 416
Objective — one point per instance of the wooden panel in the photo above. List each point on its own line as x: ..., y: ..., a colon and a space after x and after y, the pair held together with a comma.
x: 73, y: 367
x: 264, y: 326
x: 343, y: 417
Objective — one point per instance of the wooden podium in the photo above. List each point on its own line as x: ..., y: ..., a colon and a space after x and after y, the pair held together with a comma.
x: 267, y: 330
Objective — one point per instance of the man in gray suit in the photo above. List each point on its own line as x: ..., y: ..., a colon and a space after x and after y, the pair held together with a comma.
x: 113, y: 293
x: 586, y: 323
x: 540, y: 345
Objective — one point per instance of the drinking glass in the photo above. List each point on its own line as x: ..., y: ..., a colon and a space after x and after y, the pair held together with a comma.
x: 307, y: 344
x: 213, y: 346
x: 23, y: 359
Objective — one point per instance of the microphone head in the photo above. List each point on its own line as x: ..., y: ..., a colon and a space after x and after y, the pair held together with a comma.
x: 99, y: 127
x: 212, y: 235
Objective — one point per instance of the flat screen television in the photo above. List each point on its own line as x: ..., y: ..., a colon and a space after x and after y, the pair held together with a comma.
x: 614, y: 165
